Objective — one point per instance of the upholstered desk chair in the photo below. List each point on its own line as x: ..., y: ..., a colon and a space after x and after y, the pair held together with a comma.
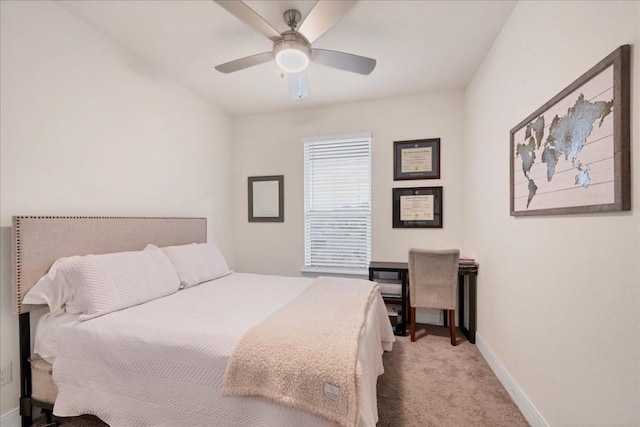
x: 433, y: 283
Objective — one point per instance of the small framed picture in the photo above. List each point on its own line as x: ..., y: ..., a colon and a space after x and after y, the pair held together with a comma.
x: 416, y: 159
x: 266, y: 198
x: 418, y: 207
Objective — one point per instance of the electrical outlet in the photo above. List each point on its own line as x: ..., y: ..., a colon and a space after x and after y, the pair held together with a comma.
x: 5, y: 373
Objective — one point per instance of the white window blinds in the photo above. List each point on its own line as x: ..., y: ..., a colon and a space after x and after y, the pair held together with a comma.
x: 337, y: 191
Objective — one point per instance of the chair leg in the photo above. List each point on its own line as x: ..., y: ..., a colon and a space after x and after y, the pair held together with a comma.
x: 412, y: 320
x: 452, y: 327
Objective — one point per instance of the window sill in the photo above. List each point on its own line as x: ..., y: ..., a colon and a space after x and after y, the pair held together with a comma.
x: 315, y: 272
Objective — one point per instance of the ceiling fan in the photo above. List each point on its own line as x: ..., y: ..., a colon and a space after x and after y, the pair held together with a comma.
x: 292, y: 49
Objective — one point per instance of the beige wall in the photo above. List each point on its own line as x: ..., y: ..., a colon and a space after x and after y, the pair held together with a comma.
x: 89, y: 129
x: 271, y: 144
x: 559, y: 301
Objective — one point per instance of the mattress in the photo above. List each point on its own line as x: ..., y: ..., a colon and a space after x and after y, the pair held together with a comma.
x: 162, y: 363
x: 43, y: 388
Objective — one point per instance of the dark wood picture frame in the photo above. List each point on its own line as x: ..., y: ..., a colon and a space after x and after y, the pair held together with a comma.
x: 266, y: 198
x: 572, y: 155
x: 417, y: 207
x: 416, y: 159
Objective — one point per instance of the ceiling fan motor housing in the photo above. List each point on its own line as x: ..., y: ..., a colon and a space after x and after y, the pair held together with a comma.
x: 292, y: 51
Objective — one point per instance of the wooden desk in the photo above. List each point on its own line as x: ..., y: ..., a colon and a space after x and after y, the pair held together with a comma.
x: 469, y: 270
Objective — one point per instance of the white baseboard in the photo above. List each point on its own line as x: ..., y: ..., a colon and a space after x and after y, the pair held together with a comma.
x: 521, y: 400
x: 11, y: 419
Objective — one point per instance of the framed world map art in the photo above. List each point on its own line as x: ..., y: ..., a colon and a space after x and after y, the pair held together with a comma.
x: 572, y: 154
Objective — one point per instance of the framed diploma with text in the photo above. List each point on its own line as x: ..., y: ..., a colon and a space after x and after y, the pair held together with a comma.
x: 418, y: 207
x: 417, y: 159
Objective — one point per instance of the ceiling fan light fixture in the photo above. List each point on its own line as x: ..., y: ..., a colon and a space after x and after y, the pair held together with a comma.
x: 292, y: 55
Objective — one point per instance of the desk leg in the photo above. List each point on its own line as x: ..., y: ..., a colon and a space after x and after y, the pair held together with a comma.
x: 406, y: 316
x: 472, y: 308
x: 461, y: 301
x: 471, y: 332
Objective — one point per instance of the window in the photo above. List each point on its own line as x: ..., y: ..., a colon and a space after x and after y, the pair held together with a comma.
x: 337, y: 198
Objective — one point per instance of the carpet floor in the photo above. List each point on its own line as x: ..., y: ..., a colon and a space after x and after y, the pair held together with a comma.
x: 428, y: 383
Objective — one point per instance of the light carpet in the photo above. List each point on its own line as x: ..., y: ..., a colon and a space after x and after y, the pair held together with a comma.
x: 431, y: 383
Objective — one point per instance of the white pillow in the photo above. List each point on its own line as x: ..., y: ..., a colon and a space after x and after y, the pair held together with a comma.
x: 197, y: 263
x: 110, y: 282
x: 53, y: 290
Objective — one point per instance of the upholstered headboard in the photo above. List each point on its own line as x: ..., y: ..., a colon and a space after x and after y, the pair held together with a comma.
x: 37, y: 241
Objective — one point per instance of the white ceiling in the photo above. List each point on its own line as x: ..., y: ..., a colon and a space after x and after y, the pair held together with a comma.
x: 420, y: 46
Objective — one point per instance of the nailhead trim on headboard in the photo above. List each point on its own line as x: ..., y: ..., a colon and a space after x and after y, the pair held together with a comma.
x: 17, y: 249
x: 17, y: 262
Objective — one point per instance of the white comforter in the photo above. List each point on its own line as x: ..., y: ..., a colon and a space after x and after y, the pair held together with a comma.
x: 162, y: 363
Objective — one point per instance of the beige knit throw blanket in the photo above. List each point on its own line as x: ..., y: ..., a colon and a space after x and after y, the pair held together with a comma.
x: 305, y: 354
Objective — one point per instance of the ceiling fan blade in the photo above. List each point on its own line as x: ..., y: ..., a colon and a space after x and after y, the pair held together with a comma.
x: 246, y: 62
x: 298, y: 85
x: 344, y: 61
x: 249, y: 17
x: 322, y: 17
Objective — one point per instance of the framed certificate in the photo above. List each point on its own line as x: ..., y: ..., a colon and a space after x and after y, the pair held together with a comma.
x: 416, y: 159
x: 418, y: 207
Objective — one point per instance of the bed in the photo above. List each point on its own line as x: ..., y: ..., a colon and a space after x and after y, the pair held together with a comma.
x: 197, y: 355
